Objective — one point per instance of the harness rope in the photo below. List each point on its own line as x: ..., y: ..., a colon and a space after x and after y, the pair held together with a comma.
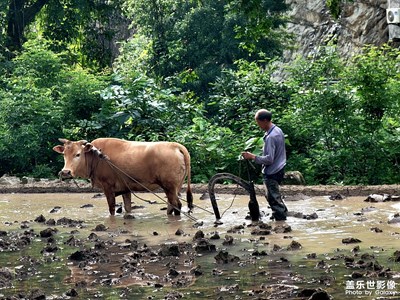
x: 248, y: 165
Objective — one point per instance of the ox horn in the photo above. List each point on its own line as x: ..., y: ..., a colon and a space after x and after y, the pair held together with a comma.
x: 83, y: 142
x: 64, y: 141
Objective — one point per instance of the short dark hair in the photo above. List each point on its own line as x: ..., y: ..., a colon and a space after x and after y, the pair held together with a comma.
x: 263, y: 115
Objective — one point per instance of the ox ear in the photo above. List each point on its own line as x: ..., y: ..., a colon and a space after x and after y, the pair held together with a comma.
x: 59, y: 149
x: 87, y: 147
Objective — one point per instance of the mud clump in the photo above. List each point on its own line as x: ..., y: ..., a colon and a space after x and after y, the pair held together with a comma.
x: 294, y: 246
x: 100, y: 227
x: 46, y: 233
x: 350, y: 240
x: 15, y: 241
x: 223, y: 257
x: 169, y: 250
x: 6, y: 277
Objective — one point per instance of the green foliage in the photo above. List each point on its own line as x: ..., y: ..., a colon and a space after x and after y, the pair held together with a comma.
x: 211, y: 153
x: 200, y: 38
x: 261, y: 25
x: 337, y: 113
x: 140, y: 109
x: 334, y: 7
x: 86, y: 29
x: 238, y: 94
x: 39, y: 97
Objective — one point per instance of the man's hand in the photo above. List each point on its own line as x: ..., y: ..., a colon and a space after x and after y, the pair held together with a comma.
x: 248, y: 155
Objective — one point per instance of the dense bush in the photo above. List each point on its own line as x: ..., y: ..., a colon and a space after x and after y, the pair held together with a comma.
x: 341, y: 118
x: 41, y: 99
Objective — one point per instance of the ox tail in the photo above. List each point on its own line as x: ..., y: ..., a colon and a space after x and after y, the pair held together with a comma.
x: 189, y: 195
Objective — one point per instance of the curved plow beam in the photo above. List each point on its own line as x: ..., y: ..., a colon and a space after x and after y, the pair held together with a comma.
x: 248, y: 186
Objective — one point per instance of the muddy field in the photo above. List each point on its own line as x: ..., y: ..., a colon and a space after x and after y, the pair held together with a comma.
x: 57, y: 241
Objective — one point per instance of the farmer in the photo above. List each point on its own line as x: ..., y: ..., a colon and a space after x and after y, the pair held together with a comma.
x: 273, y: 161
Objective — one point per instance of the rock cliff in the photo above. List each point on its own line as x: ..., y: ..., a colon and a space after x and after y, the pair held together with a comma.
x: 360, y: 22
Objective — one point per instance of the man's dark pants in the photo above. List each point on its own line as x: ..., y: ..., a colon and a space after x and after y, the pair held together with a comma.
x: 273, y: 195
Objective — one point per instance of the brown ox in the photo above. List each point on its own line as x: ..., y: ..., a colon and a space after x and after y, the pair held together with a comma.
x: 119, y: 167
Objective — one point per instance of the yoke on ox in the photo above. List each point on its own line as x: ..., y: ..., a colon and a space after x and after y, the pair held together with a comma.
x: 119, y: 167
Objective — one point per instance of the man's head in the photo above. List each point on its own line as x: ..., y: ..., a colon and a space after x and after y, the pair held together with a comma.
x: 263, y: 118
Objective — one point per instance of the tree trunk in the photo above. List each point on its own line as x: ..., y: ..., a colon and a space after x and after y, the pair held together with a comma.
x: 18, y: 17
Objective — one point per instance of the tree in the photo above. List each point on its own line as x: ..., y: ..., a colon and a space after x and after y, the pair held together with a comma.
x: 86, y: 28
x: 193, y: 41
x: 20, y: 14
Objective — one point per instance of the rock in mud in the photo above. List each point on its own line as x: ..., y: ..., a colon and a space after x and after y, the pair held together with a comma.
x: 320, y: 295
x: 56, y: 209
x: 314, y: 294
x: 196, y: 271
x: 73, y: 242
x: 336, y: 197
x: 215, y: 236
x: 129, y: 217
x: 6, y: 277
x: 203, y: 245
x: 37, y: 294
x: 223, y: 257
x: 93, y: 237
x: 228, y: 240
x: 236, y: 229
x: 48, y: 232
x: 395, y: 219
x: 282, y: 228
x: 40, y: 219
x: 294, y: 246
x: 300, y: 215
x: 376, y: 229
x: 50, y: 222
x: 278, y: 291
x: 71, y: 293
x: 229, y: 288
x: 350, y: 241
x: 378, y: 198
x: 100, y: 227
x: 51, y: 248
x: 261, y: 231
x: 169, y: 250
x: 259, y: 253
x: 396, y: 256
x: 69, y: 222
x: 173, y: 296
x: 179, y: 232
x: 198, y: 235
x: 368, y: 209
x: 356, y: 275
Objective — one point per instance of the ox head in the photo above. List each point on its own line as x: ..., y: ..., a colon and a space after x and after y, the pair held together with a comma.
x: 74, y: 158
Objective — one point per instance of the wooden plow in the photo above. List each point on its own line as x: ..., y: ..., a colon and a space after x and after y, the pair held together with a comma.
x: 248, y: 186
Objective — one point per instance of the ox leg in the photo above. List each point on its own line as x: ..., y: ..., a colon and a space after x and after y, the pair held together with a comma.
x: 127, y: 202
x: 111, y: 202
x: 174, y: 204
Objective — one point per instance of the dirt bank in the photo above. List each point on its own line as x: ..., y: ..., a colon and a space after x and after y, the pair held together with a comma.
x: 14, y: 185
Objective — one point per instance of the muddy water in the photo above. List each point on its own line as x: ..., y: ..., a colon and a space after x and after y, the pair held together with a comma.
x: 266, y: 267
